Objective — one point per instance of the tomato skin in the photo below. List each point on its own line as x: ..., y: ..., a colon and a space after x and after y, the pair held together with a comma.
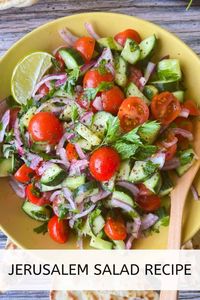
x: 121, y: 37
x: 104, y: 162
x: 134, y: 76
x: 165, y: 107
x: 85, y: 45
x: 24, y: 174
x: 132, y: 112
x: 183, y: 143
x: 43, y: 90
x: 93, y: 78
x: 143, y: 190
x: 33, y: 198
x: 170, y: 151
x: 149, y: 203
x: 112, y: 99
x: 13, y: 117
x: 58, y: 230
x: 192, y: 107
x: 45, y: 127
x: 60, y: 61
x: 115, y: 229
x: 71, y: 152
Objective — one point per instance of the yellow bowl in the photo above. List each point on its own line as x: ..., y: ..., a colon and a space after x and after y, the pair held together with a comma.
x: 14, y: 222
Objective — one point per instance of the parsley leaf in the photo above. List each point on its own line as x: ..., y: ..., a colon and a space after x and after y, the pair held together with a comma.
x: 62, y: 211
x: 10, y: 101
x: 25, y: 107
x: 78, y: 225
x: 186, y: 156
x: 145, y: 151
x: 132, y: 136
x: 90, y: 93
x: 42, y: 228
x: 126, y: 150
x: 102, y: 67
x: 9, y: 136
x: 74, y: 113
x: 150, y: 168
x: 112, y: 130
x: 71, y: 81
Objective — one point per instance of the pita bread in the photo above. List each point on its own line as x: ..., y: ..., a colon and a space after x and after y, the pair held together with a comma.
x: 5, y: 4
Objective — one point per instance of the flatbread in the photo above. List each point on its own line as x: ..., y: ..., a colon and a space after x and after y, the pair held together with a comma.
x: 5, y: 4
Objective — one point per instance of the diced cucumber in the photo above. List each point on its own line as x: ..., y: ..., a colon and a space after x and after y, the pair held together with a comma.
x: 71, y: 57
x: 149, y: 133
x: 39, y: 213
x: 39, y: 147
x: 179, y: 95
x: 67, y: 112
x: 73, y: 182
x: 154, y: 183
x: 99, y: 124
x: 84, y: 144
x: 87, y: 134
x: 6, y: 166
x: 150, y: 91
x: 131, y: 52
x: 189, y: 153
x: 123, y: 197
x: 46, y: 188
x: 98, y: 225
x: 120, y: 71
x: 169, y: 69
x: 25, y: 119
x: 101, y: 244
x: 119, y: 245
x: 147, y: 47
x: 167, y: 185
x: 124, y: 171
x: 85, y: 190
x: 53, y: 176
x: 110, y: 184
x: 166, y: 85
x: 132, y: 90
x: 138, y: 173
x: 109, y: 42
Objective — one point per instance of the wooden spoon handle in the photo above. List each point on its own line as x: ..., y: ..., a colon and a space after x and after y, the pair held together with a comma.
x: 168, y: 295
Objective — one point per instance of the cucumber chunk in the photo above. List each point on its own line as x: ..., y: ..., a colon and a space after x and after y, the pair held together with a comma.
x: 123, y: 197
x: 131, y: 51
x: 124, y: 171
x: 87, y: 134
x: 98, y: 225
x: 85, y: 190
x: 167, y: 185
x: 149, y: 132
x: 46, y: 188
x: 119, y: 245
x: 180, y: 95
x: 147, y: 47
x: 67, y: 112
x: 154, y: 183
x: 190, y: 156
x: 150, y: 91
x: 99, y: 124
x: 120, y: 71
x: 109, y: 42
x: 101, y: 244
x: 53, y: 176
x: 132, y: 90
x: 138, y: 173
x: 84, y: 144
x: 169, y: 69
x: 110, y: 184
x: 25, y: 119
x: 39, y: 147
x: 71, y: 57
x: 73, y: 182
x: 6, y: 166
x: 39, y: 213
x: 166, y: 85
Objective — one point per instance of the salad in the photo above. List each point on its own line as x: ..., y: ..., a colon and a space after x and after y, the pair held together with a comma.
x: 90, y: 145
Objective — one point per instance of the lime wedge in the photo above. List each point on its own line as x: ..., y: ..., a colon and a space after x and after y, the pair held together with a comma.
x: 27, y: 74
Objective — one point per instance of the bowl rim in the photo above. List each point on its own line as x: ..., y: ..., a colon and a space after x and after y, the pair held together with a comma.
x: 94, y: 14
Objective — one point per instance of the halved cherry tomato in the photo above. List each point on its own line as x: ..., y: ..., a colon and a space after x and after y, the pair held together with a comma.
x: 45, y: 127
x: 121, y: 37
x: 143, y: 190
x: 58, y: 230
x: 84, y: 103
x: 183, y: 143
x: 94, y: 77
x: 115, y: 229
x: 192, y: 107
x: 85, y: 45
x: 104, y: 162
x: 169, y: 151
x: 60, y: 61
x: 34, y: 195
x: 24, y: 174
x: 71, y: 152
x: 165, y: 107
x: 43, y: 90
x: 134, y: 76
x: 149, y: 203
x: 132, y: 112
x: 112, y: 99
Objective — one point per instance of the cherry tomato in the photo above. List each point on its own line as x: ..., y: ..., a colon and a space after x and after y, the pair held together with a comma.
x: 169, y: 151
x: 112, y: 99
x: 43, y: 90
x: 165, y: 107
x: 183, y: 143
x: 134, y: 76
x: 60, y: 61
x: 93, y: 78
x: 104, y: 162
x: 85, y: 45
x: 45, y: 127
x: 132, y: 112
x: 192, y: 107
x: 121, y: 37
x: 24, y: 174
x: 115, y: 229
x: 149, y: 203
x: 84, y: 103
x: 34, y: 195
x: 58, y: 230
x: 143, y: 190
x: 71, y: 152
x: 13, y: 117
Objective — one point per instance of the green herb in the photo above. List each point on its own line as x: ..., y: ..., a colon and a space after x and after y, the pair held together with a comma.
x: 55, y: 64
x: 126, y: 150
x: 48, y: 96
x: 25, y: 107
x: 71, y: 81
x: 149, y: 128
x: 90, y: 93
x: 1, y: 126
x: 102, y: 67
x: 36, y: 192
x: 133, y: 46
x: 163, y: 220
x: 9, y: 136
x: 78, y: 225
x: 186, y: 156
x: 150, y: 168
x: 8, y: 150
x: 189, y: 5
x: 10, y: 101
x: 132, y: 136
x: 62, y: 211
x: 145, y: 151
x: 112, y: 132
x: 74, y: 113
x: 42, y: 228
x: 93, y: 215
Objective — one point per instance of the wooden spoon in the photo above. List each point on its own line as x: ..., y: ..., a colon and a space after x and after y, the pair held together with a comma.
x: 178, y: 198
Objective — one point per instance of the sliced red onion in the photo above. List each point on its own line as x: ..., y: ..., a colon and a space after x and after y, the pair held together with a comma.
x: 87, y: 118
x: 129, y: 186
x: 149, y: 71
x: 195, y: 193
x: 54, y: 195
x: 38, y: 97
x: 17, y: 187
x: 159, y: 159
x: 110, y: 67
x: 34, y: 160
x: 170, y: 144
x: 18, y: 141
x: 87, y: 66
x: 68, y: 195
x: 78, y: 166
x: 67, y: 36
x: 80, y: 242
x: 129, y: 242
x: 148, y: 221
x: 91, y: 31
x: 57, y: 49
x: 60, y: 82
x: 99, y: 196
x: 85, y: 212
x: 4, y: 121
x: 71, y: 223
x: 66, y: 137
x: 171, y: 164
x: 107, y: 56
x: 47, y: 79
x: 80, y: 152
x: 63, y: 156
x: 97, y: 103
x: 133, y: 228
x: 120, y: 204
x: 184, y: 113
x: 185, y: 133
x: 45, y: 165
x: 142, y: 82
